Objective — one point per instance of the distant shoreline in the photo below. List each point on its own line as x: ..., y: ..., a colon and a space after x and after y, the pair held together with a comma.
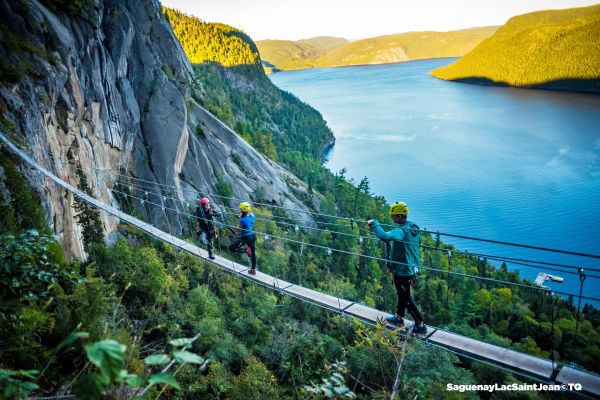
x: 472, y: 81
x: 487, y: 82
x: 361, y: 65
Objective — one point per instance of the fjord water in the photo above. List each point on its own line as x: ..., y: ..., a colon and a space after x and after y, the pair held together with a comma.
x: 506, y: 164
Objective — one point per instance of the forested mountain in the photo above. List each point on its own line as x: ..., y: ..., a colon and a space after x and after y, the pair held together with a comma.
x: 274, y: 121
x: 286, y: 55
x: 106, y: 325
x: 554, y: 49
x: 204, y: 42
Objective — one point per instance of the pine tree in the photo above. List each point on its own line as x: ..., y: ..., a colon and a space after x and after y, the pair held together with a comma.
x: 87, y: 216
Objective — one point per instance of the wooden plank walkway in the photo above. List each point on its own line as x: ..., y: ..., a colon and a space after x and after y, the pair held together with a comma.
x: 498, y: 355
x: 519, y: 362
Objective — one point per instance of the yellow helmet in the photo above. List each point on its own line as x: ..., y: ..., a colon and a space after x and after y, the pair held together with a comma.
x: 245, y: 207
x: 399, y: 208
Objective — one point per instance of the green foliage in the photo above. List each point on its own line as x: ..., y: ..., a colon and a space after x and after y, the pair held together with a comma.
x: 15, y: 72
x: 110, y: 356
x: 555, y: 49
x: 157, y: 359
x: 224, y: 187
x: 16, y: 43
x: 255, y: 382
x: 275, y: 122
x: 24, y: 210
x: 123, y: 194
x: 271, y: 120
x: 24, y: 55
x: 17, y: 384
x: 27, y: 272
x: 204, y: 42
x: 90, y: 302
x: 169, y: 72
x: 73, y: 7
x: 333, y: 385
x: 87, y: 215
x: 260, y: 348
x: 33, y: 275
x: 148, y: 279
x: 165, y: 379
x: 436, y: 368
x: 199, y: 130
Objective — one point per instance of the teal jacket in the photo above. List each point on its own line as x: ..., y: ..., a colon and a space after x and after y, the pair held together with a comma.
x: 405, y: 247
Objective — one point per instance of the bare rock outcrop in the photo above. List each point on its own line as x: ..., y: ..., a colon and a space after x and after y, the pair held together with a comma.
x: 108, y: 89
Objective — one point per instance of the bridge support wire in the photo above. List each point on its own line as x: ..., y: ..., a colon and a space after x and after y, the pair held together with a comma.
x: 517, y: 362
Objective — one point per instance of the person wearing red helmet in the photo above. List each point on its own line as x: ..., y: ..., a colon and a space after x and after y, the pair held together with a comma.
x: 204, y: 215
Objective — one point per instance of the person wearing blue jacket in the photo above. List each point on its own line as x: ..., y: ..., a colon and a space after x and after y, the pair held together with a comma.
x: 247, y: 235
x: 405, y: 262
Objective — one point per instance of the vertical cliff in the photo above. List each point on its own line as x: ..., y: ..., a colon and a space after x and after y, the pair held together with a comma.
x: 105, y: 86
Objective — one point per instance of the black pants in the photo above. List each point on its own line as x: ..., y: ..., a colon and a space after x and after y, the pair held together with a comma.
x: 402, y: 284
x: 210, y: 235
x: 248, y: 240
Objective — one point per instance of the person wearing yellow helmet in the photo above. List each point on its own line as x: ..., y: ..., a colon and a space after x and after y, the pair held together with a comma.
x: 405, y: 262
x: 245, y: 207
x: 247, y: 235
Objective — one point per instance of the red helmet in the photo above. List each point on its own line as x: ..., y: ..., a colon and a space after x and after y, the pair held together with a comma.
x: 204, y: 201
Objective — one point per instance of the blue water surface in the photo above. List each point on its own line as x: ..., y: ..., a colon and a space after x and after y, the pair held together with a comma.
x: 507, y: 164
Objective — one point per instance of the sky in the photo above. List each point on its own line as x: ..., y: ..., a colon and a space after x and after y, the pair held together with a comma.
x: 359, y: 19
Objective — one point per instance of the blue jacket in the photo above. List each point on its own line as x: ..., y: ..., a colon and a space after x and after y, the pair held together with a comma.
x: 247, y: 225
x: 405, y: 247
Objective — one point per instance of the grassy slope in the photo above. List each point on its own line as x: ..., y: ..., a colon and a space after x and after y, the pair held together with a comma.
x: 551, y: 49
x: 407, y: 46
x: 287, y: 54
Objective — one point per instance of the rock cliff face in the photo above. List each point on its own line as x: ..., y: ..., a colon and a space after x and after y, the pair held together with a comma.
x: 107, y: 88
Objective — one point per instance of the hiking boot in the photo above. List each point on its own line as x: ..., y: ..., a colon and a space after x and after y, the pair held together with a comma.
x: 420, y: 329
x: 394, y: 319
x: 252, y: 271
x: 211, y: 256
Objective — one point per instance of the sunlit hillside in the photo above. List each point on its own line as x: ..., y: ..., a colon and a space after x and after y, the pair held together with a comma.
x: 204, y: 42
x: 557, y: 49
x: 406, y: 46
x: 287, y: 54
x: 333, y: 52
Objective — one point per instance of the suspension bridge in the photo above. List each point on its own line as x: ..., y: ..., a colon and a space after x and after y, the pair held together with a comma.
x: 531, y: 367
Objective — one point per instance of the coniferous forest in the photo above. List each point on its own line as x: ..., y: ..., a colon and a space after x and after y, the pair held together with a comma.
x: 106, y: 327
x: 554, y: 49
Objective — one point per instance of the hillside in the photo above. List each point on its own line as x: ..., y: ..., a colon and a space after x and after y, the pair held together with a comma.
x: 554, y: 49
x: 204, y: 42
x: 275, y: 122
x: 286, y: 55
x: 406, y: 46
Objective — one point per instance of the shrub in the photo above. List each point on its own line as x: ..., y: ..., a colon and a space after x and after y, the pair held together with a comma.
x: 223, y: 187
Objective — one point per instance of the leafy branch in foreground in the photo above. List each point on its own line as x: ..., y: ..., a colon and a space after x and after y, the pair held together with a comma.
x: 334, y: 385
x: 108, y: 356
x: 17, y: 384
